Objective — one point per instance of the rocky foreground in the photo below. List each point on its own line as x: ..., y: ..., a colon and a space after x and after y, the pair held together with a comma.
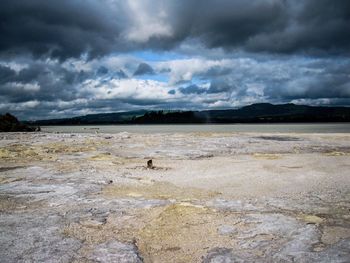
x: 209, y: 197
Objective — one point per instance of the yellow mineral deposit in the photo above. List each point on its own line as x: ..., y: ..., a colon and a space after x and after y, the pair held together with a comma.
x: 158, y: 190
x: 267, y: 156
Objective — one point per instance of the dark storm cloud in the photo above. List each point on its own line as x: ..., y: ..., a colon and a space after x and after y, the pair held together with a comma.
x: 6, y: 74
x: 192, y: 89
x: 218, y: 71
x: 62, y: 29
x: 220, y: 85
x: 333, y: 82
x: 40, y: 81
x: 102, y: 70
x: 281, y: 26
x: 70, y: 28
x: 144, y: 69
x: 231, y: 23
x: 315, y: 26
x: 275, y: 26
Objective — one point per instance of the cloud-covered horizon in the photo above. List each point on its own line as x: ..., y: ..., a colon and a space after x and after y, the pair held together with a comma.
x: 75, y: 57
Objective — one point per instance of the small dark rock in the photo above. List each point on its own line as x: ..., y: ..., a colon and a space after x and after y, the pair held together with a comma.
x: 150, y: 164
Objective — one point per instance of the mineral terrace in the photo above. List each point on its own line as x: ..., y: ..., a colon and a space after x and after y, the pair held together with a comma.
x: 210, y: 197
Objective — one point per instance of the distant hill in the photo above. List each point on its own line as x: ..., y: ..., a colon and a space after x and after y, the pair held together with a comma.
x: 265, y: 112
x: 102, y: 118
x: 255, y: 113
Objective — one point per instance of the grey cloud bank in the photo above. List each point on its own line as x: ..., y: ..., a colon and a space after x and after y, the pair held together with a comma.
x: 77, y: 57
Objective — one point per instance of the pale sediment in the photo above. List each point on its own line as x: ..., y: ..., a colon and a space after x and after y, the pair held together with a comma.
x: 210, y: 197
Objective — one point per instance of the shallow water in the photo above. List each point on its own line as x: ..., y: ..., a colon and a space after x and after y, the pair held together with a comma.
x: 262, y: 128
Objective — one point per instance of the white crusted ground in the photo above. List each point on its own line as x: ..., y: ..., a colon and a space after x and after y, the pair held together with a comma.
x: 211, y: 197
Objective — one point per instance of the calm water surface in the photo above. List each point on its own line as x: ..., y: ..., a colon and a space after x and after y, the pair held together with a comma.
x: 267, y: 128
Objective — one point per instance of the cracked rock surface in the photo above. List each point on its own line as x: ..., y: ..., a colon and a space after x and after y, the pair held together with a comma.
x: 210, y: 197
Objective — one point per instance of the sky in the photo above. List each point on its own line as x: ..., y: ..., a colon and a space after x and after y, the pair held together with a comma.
x: 76, y: 57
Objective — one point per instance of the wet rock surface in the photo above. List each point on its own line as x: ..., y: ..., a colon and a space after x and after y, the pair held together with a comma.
x: 212, y: 198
